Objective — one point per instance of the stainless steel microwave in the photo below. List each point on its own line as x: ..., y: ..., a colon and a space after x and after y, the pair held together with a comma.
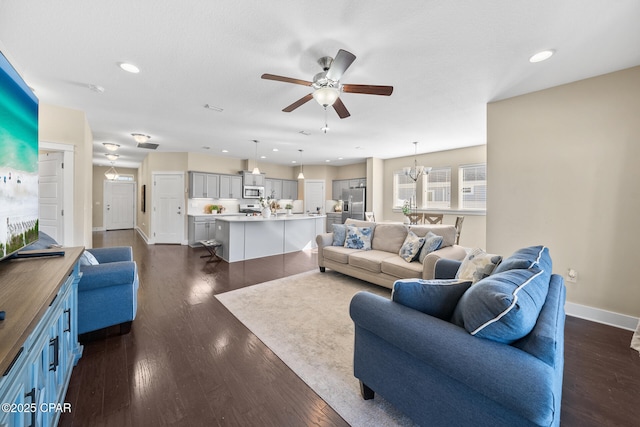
x: 252, y: 192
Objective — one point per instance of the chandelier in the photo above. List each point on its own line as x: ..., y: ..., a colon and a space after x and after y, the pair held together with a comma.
x: 415, y: 172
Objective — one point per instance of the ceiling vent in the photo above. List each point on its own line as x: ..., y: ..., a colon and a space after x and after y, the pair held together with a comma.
x: 147, y: 145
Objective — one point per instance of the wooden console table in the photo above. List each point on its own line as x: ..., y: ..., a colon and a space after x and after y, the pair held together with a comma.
x: 38, y: 338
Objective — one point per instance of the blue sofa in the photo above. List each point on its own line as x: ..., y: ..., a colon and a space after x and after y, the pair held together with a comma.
x: 107, y: 291
x: 439, y: 374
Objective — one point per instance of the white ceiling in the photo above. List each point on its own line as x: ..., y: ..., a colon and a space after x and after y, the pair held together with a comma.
x: 445, y: 59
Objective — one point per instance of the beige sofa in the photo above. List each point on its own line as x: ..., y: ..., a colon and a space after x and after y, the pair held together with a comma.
x: 382, y: 265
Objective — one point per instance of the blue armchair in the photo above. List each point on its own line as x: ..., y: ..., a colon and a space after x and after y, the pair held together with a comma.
x: 108, y: 291
x: 439, y: 374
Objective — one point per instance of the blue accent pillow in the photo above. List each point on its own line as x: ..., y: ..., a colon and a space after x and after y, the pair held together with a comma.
x: 533, y: 256
x: 432, y: 242
x: 436, y: 297
x: 358, y: 238
x: 411, y: 247
x: 339, y: 234
x: 503, y: 307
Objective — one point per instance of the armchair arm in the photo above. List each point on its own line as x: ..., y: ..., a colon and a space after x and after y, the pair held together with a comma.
x: 454, y: 252
x: 114, y: 254
x: 105, y: 275
x: 500, y: 372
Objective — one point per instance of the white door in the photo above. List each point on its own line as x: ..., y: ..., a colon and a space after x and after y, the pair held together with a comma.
x: 168, y: 207
x: 314, y: 196
x: 51, y: 195
x: 119, y: 204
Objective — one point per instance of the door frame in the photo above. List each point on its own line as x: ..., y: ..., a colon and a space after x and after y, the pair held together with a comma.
x: 68, y: 151
x: 154, y: 214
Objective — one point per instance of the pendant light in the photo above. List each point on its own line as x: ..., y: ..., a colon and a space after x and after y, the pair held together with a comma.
x: 415, y: 172
x: 301, y: 174
x: 256, y: 171
x: 111, y: 173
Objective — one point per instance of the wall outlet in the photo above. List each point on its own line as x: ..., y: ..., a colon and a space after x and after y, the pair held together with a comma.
x: 572, y: 275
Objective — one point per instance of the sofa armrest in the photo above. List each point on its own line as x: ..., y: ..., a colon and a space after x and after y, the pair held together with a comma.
x: 500, y: 372
x: 114, y: 254
x: 454, y: 252
x: 109, y: 274
x: 322, y: 240
x: 446, y: 268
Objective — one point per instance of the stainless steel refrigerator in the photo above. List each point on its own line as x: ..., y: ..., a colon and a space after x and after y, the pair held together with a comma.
x: 354, y: 203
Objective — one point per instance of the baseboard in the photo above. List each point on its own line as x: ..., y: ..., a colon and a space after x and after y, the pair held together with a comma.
x: 99, y: 229
x: 144, y: 236
x: 598, y: 315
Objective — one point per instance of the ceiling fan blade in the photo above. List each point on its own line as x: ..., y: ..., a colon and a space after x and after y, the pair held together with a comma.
x: 298, y: 103
x: 368, y: 89
x: 340, y: 63
x: 341, y: 109
x: 285, y: 79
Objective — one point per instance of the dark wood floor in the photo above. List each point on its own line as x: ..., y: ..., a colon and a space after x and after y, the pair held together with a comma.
x: 189, y: 362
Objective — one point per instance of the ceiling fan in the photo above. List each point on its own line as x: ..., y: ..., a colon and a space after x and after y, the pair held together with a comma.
x: 327, y: 86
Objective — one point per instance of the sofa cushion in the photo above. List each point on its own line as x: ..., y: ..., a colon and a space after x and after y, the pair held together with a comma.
x: 397, y: 267
x: 339, y: 234
x: 87, y: 258
x: 532, y: 256
x: 448, y: 232
x: 411, y: 247
x: 477, y: 265
x: 503, y: 307
x: 338, y: 253
x: 431, y: 243
x: 369, y: 260
x: 436, y: 298
x: 358, y: 237
x: 389, y: 237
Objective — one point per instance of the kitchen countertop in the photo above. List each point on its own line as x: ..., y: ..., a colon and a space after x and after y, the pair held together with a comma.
x: 217, y: 215
x: 279, y: 217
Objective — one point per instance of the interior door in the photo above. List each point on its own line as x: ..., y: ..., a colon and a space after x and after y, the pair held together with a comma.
x: 51, y: 188
x: 119, y: 204
x: 168, y: 207
x: 314, y: 196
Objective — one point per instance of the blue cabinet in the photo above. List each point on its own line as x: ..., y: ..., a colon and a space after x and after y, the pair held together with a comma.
x: 34, y: 384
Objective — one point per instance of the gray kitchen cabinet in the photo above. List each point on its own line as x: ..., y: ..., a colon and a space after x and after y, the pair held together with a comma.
x: 230, y: 187
x: 273, y: 188
x: 203, y: 185
x: 289, y: 189
x: 201, y: 228
x: 253, y: 180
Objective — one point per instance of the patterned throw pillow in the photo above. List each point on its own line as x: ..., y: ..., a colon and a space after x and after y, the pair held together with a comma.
x: 358, y: 238
x: 411, y: 247
x: 432, y: 242
x: 477, y: 265
x: 339, y: 234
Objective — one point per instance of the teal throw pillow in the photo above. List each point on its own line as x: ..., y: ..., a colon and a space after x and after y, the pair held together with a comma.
x: 437, y: 297
x: 503, y: 307
x: 358, y: 237
x: 339, y: 234
x: 477, y: 265
x: 411, y: 247
x: 432, y: 242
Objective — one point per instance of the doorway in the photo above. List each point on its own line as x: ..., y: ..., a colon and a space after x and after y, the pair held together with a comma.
x: 50, y: 197
x: 168, y: 193
x: 119, y: 205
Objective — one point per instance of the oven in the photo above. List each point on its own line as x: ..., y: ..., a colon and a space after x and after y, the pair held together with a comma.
x: 252, y: 192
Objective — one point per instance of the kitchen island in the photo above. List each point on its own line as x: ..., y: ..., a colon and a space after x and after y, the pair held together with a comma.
x: 248, y: 237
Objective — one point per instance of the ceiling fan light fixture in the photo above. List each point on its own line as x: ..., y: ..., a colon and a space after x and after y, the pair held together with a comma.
x: 326, y: 96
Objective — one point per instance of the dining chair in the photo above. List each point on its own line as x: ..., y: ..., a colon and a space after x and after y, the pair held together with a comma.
x: 433, y: 218
x: 369, y: 216
x: 459, y: 221
x: 415, y: 218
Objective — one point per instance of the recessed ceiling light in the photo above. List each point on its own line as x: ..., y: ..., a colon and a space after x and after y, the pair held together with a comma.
x: 327, y: 160
x: 129, y: 67
x: 263, y: 157
x: 541, y: 56
x: 275, y: 149
x: 293, y: 161
x: 339, y: 158
x: 225, y: 151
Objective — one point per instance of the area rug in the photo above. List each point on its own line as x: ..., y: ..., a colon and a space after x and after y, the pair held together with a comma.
x: 304, y: 319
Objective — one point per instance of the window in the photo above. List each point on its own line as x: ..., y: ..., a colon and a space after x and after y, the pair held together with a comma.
x: 473, y: 186
x: 430, y: 191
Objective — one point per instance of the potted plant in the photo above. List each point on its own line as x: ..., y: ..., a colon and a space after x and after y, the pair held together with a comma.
x: 289, y: 207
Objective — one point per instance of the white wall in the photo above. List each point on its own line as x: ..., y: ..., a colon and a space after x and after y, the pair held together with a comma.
x: 563, y: 171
